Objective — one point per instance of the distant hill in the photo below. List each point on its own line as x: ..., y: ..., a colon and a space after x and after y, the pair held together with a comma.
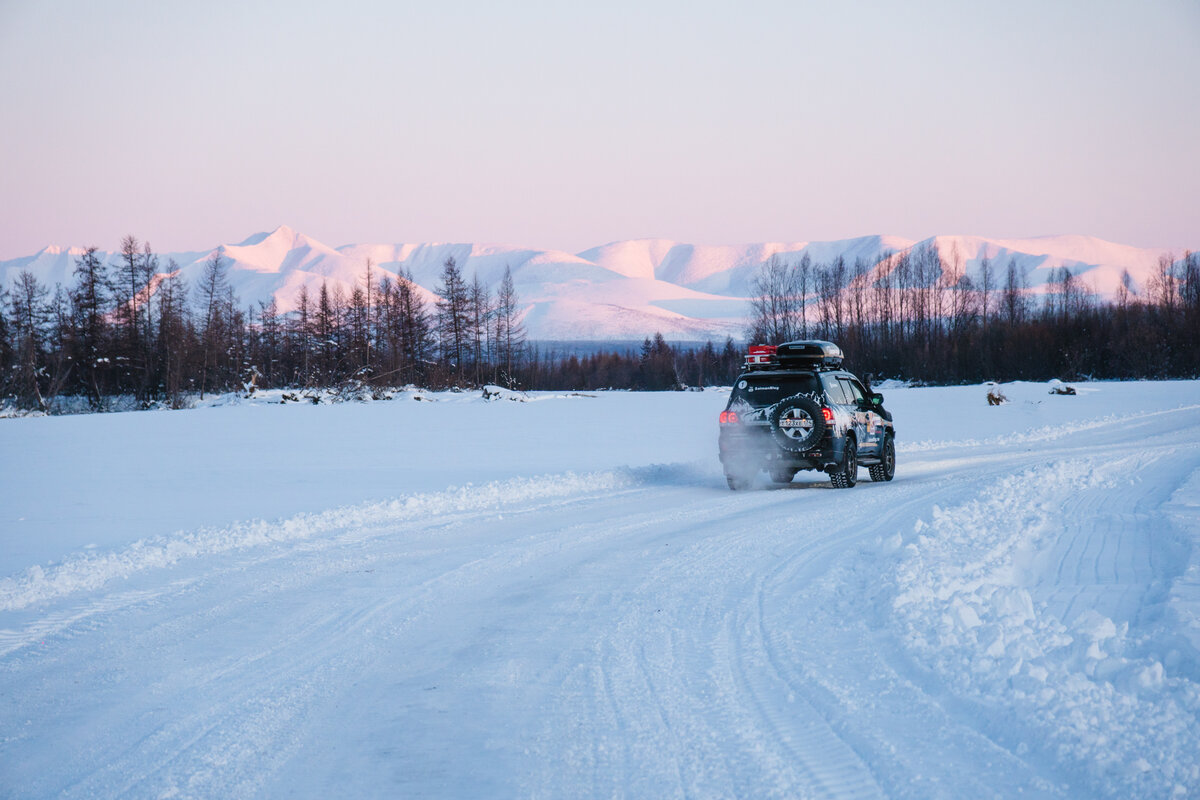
x: 618, y: 291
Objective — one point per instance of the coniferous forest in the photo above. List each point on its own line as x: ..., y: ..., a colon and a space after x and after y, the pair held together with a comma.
x: 134, y: 330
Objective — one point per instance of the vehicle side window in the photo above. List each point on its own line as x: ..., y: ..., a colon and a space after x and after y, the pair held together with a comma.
x: 833, y: 390
x: 854, y: 391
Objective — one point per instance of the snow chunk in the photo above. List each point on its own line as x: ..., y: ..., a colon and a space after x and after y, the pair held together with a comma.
x: 1094, y: 626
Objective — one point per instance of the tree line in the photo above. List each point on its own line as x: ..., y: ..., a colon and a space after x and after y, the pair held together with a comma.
x: 917, y: 315
x: 655, y: 366
x: 136, y: 329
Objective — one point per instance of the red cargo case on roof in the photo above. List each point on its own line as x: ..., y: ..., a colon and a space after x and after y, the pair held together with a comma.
x: 761, y: 356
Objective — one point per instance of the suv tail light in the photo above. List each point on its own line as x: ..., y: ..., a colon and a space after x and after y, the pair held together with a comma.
x: 729, y: 417
x: 827, y: 413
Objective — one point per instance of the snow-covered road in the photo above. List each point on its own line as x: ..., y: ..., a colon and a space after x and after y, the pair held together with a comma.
x: 1017, y: 614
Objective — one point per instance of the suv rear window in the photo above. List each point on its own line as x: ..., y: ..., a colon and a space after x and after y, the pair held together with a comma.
x: 760, y: 391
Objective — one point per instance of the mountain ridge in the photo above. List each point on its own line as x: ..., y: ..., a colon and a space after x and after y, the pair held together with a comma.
x: 620, y: 290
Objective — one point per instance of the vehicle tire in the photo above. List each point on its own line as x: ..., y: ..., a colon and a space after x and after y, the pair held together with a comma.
x: 847, y: 473
x: 797, y: 423
x: 783, y: 475
x: 886, y: 468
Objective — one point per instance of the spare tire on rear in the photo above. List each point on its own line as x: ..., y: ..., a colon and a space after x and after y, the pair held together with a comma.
x: 797, y: 423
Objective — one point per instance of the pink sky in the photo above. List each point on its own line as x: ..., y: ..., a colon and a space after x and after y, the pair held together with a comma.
x: 563, y: 126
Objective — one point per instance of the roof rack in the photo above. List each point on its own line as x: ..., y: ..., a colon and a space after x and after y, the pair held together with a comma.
x: 808, y: 353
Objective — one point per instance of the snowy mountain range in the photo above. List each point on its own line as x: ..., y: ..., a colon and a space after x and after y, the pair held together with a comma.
x: 619, y: 291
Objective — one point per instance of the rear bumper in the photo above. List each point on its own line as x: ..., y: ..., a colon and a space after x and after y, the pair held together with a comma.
x: 746, y: 447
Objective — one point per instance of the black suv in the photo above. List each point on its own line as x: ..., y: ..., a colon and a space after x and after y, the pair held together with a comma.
x: 795, y: 408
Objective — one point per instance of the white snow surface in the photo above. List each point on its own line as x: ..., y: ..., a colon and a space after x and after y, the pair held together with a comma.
x: 555, y: 595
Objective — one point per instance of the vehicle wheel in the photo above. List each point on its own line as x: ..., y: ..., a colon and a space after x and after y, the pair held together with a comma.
x: 886, y: 468
x: 797, y: 423
x: 782, y: 475
x: 847, y: 475
x: 737, y: 481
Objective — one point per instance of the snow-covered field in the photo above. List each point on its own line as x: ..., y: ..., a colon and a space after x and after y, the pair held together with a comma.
x: 560, y: 598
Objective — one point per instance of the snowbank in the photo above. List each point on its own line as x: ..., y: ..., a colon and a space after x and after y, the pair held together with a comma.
x: 965, y: 598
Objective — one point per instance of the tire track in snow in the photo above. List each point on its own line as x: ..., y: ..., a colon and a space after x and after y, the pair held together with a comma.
x: 787, y: 753
x: 1116, y: 553
x: 853, y: 667
x: 313, y: 653
x: 796, y: 752
x: 230, y: 743
x: 665, y: 711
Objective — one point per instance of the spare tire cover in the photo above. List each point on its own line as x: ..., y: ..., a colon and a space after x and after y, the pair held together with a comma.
x: 797, y: 423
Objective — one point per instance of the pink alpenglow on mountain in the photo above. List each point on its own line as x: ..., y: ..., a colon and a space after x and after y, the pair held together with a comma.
x: 622, y: 290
